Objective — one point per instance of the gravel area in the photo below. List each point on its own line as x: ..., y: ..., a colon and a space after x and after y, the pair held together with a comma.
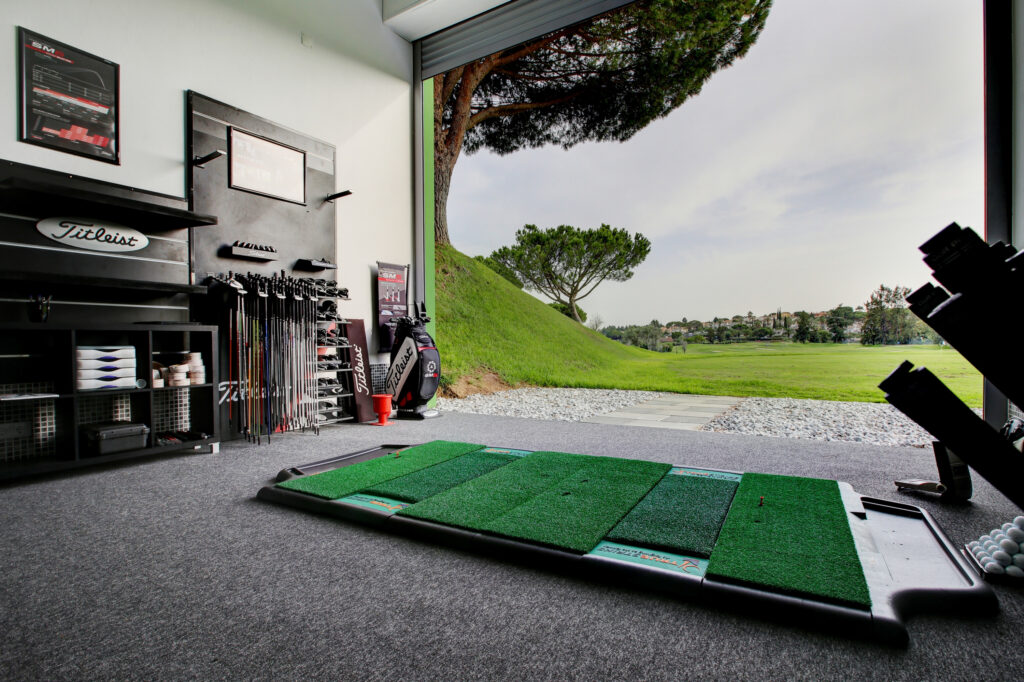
x: 872, y: 423
x: 562, y: 404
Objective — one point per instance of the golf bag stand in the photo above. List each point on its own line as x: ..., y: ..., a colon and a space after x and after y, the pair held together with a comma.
x: 415, y: 370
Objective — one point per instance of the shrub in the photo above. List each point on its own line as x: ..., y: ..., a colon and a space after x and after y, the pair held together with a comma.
x: 564, y: 309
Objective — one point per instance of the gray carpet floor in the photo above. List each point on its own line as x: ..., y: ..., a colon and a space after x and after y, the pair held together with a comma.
x: 170, y: 569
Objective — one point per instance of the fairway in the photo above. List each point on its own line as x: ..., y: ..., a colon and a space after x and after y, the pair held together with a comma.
x: 845, y: 371
x: 487, y: 325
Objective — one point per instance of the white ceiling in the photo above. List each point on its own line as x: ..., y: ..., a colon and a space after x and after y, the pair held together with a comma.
x: 415, y: 19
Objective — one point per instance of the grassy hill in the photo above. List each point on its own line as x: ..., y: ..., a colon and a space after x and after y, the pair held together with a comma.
x: 487, y: 326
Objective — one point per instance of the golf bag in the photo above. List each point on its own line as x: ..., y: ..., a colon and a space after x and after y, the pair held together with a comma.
x: 415, y: 367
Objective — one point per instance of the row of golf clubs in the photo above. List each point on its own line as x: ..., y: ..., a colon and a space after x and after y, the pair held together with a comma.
x: 273, y: 354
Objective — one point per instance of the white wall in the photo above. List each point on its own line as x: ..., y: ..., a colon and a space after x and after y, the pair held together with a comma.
x: 352, y: 88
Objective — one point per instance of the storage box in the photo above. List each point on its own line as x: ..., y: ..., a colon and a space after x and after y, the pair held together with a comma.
x: 109, y: 437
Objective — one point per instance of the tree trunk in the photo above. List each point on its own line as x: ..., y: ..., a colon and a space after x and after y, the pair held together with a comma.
x: 442, y: 182
x: 573, y: 310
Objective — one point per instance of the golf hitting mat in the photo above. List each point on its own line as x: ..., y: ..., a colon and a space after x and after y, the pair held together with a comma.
x: 808, y: 550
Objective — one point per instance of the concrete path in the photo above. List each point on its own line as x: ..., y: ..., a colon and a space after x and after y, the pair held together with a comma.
x: 681, y: 412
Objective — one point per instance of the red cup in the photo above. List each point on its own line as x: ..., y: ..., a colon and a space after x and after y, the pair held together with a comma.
x: 382, y: 406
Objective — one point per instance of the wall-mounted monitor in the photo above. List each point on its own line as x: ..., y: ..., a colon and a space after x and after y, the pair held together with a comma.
x: 266, y: 167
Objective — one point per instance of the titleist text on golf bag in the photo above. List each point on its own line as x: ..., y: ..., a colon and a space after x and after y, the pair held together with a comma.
x: 415, y: 365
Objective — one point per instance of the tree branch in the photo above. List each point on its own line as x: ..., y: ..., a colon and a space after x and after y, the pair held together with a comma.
x: 510, y: 109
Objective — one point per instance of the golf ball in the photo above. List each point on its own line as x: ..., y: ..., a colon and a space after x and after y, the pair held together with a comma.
x: 1006, y: 526
x: 1002, y: 557
x: 1019, y: 522
x: 972, y: 545
x: 994, y: 567
x: 1009, y: 546
x: 1014, y: 571
x: 1018, y: 560
x: 1015, y: 534
x: 998, y: 537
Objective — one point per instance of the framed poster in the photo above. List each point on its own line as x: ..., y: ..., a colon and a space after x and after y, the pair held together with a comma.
x: 392, y: 301
x: 68, y: 99
x: 266, y: 167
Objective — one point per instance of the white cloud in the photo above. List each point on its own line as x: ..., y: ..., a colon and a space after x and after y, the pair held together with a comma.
x: 803, y: 176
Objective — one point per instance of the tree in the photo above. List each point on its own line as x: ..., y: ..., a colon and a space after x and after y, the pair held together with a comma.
x: 602, y: 80
x: 838, y: 319
x: 566, y: 263
x: 887, y: 319
x: 803, y: 327
x: 596, y: 322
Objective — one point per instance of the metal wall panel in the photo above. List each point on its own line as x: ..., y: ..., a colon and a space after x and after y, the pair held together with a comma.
x: 504, y: 27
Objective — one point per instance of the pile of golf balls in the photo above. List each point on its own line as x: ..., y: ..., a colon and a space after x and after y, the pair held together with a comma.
x: 1002, y: 550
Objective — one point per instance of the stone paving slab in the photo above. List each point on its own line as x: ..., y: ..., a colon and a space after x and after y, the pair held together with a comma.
x: 682, y: 412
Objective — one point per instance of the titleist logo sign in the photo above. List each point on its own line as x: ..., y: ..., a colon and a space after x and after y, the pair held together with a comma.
x: 360, y: 372
x: 92, y: 235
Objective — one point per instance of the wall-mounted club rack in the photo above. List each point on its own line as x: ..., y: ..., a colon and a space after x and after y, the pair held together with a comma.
x: 314, y: 265
x: 335, y: 394
x: 260, y: 252
x: 971, y: 272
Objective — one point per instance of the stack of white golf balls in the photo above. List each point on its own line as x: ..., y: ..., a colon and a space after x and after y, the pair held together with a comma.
x: 1002, y: 550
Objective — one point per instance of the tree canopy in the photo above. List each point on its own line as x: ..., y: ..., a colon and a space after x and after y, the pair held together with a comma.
x: 566, y: 263
x: 839, y: 318
x: 887, y: 320
x: 605, y: 79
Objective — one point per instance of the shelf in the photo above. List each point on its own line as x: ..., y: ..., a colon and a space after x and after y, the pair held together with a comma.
x: 314, y: 265
x: 79, y: 392
x: 18, y: 397
x: 167, y: 407
x: 24, y: 197
x: 337, y: 420
x: 56, y: 282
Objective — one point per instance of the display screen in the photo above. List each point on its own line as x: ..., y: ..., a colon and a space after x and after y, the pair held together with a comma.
x: 266, y: 167
x: 69, y: 98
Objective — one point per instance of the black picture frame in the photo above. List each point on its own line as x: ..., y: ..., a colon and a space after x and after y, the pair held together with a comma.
x: 256, y: 164
x: 61, y: 85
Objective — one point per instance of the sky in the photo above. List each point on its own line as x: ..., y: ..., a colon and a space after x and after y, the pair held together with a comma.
x: 802, y: 177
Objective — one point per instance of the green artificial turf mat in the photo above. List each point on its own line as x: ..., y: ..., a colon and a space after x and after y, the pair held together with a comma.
x: 358, y: 477
x: 578, y: 512
x: 798, y: 542
x: 680, y: 514
x: 427, y: 482
x: 477, y: 501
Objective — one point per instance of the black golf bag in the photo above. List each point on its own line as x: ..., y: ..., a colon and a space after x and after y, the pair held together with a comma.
x: 415, y: 367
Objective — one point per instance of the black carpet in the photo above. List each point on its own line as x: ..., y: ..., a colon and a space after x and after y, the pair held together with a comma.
x: 170, y: 569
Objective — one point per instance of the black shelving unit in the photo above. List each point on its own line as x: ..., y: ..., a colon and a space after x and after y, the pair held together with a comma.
x: 42, y: 410
x: 130, y: 206
x: 335, y: 362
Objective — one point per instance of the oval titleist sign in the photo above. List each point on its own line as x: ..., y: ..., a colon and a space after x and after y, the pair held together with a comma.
x: 83, y: 233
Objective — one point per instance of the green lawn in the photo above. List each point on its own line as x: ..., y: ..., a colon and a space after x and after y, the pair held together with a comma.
x: 486, y: 324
